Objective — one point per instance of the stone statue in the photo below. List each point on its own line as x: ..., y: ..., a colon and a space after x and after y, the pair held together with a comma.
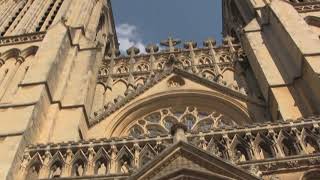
x: 102, y: 169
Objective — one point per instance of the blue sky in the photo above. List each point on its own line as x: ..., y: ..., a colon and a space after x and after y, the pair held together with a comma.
x: 141, y: 22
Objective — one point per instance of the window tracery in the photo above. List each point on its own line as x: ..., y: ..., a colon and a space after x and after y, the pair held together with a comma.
x: 205, y: 61
x: 122, y: 69
x: 160, y: 122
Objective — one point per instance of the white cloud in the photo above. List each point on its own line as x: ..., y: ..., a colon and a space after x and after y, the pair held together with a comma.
x: 128, y: 36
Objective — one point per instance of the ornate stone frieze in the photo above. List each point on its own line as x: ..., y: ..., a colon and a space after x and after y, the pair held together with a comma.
x: 260, y: 148
x: 25, y: 38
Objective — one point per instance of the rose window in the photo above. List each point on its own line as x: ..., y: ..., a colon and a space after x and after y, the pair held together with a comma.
x: 160, y: 122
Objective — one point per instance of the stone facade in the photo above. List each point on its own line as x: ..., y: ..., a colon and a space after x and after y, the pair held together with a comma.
x: 73, y: 107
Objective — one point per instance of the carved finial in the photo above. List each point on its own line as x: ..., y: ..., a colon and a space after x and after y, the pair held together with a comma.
x: 210, y: 42
x: 190, y: 45
x: 228, y: 40
x: 152, y: 48
x: 132, y: 51
x: 113, y: 52
x: 171, y: 43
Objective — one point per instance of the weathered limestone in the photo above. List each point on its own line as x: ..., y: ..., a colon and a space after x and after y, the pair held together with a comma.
x: 72, y: 107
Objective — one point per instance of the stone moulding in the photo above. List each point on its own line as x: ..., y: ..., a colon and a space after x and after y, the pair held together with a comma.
x: 20, y: 39
x: 266, y: 165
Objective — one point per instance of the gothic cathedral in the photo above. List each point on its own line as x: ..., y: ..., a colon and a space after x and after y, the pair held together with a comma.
x: 73, y: 107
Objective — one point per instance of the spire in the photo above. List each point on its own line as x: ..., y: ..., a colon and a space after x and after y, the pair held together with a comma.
x: 152, y: 49
x: 211, y: 43
x: 132, y: 51
x: 190, y: 45
x: 113, y: 53
x: 171, y: 43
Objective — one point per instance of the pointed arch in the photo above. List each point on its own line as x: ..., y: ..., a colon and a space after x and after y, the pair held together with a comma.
x: 140, y: 80
x: 241, y: 149
x: 228, y: 75
x: 310, y: 141
x: 124, y: 160
x: 11, y: 53
x: 160, y: 63
x: 122, y: 69
x: 101, y: 162
x: 34, y: 166
x: 126, y: 118
x: 119, y: 87
x: 142, y: 66
x: 29, y: 51
x: 288, y: 144
x: 56, y: 165
x: 79, y: 164
x: 264, y: 146
x: 146, y: 155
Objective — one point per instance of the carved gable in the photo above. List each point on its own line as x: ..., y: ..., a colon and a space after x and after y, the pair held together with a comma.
x: 176, y: 87
x: 183, y: 160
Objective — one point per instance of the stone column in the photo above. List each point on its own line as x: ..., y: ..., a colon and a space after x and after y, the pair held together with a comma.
x: 178, y: 132
x: 113, y: 163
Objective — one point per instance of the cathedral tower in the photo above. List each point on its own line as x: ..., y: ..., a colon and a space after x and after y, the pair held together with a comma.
x: 73, y: 107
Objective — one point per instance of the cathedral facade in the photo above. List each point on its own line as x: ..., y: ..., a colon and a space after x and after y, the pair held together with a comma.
x: 73, y: 107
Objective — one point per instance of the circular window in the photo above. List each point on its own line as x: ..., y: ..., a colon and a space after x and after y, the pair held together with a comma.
x: 160, y: 121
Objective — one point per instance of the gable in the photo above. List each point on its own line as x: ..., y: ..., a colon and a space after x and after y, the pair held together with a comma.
x: 183, y: 159
x: 176, y: 87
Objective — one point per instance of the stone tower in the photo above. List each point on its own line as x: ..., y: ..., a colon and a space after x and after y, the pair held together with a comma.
x: 72, y: 107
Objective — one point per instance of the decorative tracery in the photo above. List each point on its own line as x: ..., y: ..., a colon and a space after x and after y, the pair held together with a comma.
x: 159, y: 122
